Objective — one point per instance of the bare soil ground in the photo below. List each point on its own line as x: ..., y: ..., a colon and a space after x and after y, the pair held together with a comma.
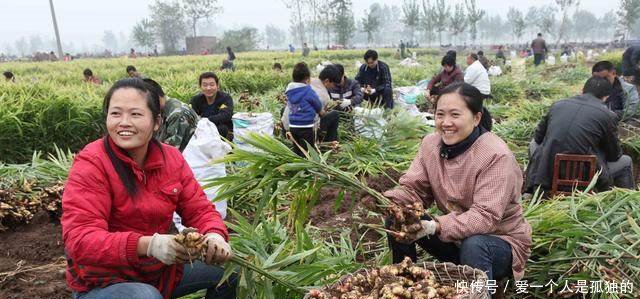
x: 24, y: 248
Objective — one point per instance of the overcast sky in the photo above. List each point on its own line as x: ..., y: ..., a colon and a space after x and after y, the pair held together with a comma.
x: 84, y: 22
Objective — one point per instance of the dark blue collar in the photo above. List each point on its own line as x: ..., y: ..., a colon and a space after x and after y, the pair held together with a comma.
x: 451, y: 151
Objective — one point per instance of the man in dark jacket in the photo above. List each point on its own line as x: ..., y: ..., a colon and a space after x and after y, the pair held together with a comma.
x: 539, y: 49
x: 347, y: 94
x: 214, y: 104
x: 375, y: 80
x: 623, y: 100
x: 630, y: 67
x: 580, y: 125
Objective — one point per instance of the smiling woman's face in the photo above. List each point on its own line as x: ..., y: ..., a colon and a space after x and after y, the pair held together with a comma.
x: 454, y: 120
x: 130, y: 122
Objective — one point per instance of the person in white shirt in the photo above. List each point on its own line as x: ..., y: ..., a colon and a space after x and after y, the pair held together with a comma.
x: 477, y: 75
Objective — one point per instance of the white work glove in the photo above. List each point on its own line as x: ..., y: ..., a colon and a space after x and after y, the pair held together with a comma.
x: 373, y: 90
x: 428, y: 229
x: 345, y: 103
x: 166, y: 249
x: 427, y: 93
x: 218, y: 250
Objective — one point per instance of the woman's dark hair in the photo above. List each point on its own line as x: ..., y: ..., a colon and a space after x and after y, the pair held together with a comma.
x: 300, y: 72
x: 131, y: 68
x: 453, y: 54
x: 206, y: 75
x: 449, y: 60
x: 8, y: 75
x: 124, y: 172
x: 87, y: 72
x: 474, y: 100
x: 340, y: 70
x: 277, y: 65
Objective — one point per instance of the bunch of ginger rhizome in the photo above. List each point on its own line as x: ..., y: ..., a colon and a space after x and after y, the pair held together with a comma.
x: 399, y: 281
x: 194, y: 242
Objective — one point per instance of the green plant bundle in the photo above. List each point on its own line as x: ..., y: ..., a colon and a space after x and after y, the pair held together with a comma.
x: 585, y: 236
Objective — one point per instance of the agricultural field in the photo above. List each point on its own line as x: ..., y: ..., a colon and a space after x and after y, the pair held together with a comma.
x: 297, y: 223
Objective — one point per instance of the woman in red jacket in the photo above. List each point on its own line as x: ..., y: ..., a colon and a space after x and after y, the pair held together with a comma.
x: 118, y: 205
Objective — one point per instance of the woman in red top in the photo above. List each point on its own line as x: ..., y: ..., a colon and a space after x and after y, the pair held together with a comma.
x: 118, y: 205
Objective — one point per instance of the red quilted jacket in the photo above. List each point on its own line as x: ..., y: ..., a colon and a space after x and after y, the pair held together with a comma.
x: 101, y: 223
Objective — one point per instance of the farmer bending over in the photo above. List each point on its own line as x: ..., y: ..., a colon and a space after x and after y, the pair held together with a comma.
x: 214, y: 104
x: 474, y: 179
x: 117, y: 209
x: 179, y: 121
x: 580, y: 125
x: 347, y: 94
x: 89, y: 77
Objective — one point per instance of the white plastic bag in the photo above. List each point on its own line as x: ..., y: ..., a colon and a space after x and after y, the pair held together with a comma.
x: 245, y: 123
x: 369, y: 123
x: 564, y: 59
x: 551, y: 60
x: 321, y: 65
x: 409, y: 62
x: 407, y: 94
x: 205, y: 146
x: 495, y: 70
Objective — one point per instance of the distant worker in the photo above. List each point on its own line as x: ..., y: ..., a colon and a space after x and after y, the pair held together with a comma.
x: 500, y: 55
x: 277, y: 67
x: 305, y: 50
x: 230, y: 55
x: 133, y: 72
x: 89, y: 77
x: 539, y: 49
x: 477, y: 75
x: 9, y: 77
x: 374, y: 78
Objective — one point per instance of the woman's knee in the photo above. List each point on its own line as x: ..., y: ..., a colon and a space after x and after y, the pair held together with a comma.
x: 134, y: 290
x: 474, y: 246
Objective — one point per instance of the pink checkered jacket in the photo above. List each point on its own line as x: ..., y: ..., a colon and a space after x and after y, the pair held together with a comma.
x: 477, y: 191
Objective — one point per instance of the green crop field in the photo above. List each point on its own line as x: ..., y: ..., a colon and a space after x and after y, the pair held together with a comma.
x: 299, y: 219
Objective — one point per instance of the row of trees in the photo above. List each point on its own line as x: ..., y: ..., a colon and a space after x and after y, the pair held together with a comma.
x: 427, y: 21
x: 171, y: 20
